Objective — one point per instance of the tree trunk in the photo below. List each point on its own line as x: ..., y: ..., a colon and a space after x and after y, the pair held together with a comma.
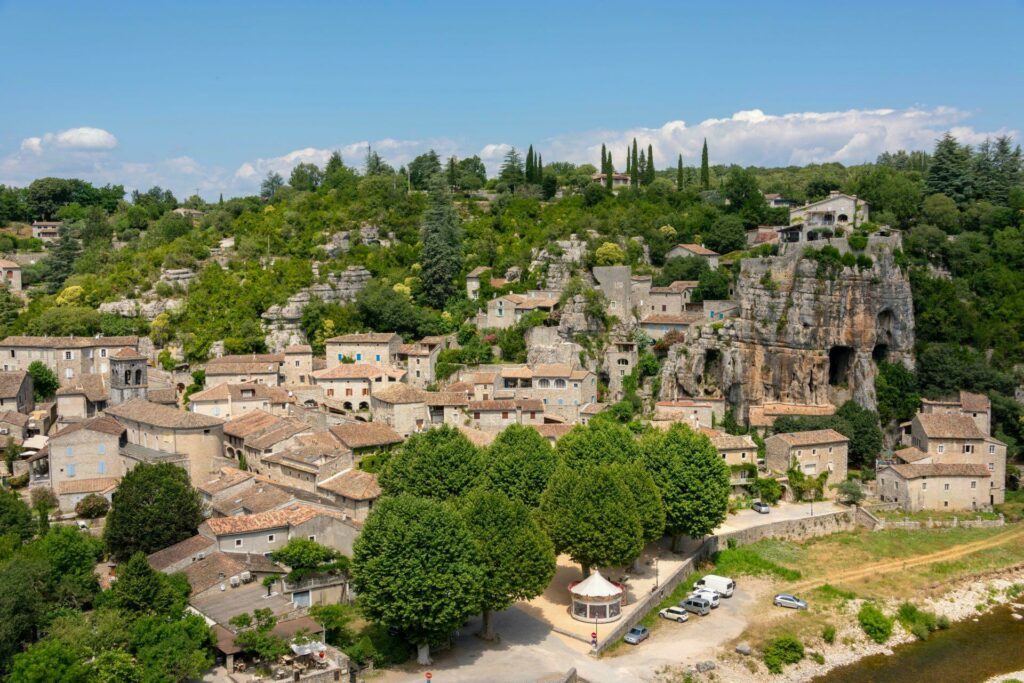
x: 487, y: 630
x: 423, y: 655
x: 586, y: 569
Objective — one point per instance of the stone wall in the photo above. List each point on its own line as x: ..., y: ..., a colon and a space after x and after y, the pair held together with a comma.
x: 944, y: 523
x: 282, y: 322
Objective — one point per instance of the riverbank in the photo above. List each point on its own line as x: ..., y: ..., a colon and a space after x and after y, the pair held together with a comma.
x: 962, y: 600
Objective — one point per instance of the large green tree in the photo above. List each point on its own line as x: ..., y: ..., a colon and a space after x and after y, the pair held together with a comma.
x: 153, y: 507
x: 725, y: 235
x: 423, y: 168
x: 517, y: 558
x: 951, y: 172
x: 705, y: 169
x: 597, y: 443
x: 441, y: 259
x: 692, y: 477
x: 519, y: 464
x: 439, y: 463
x: 416, y: 568
x: 44, y: 380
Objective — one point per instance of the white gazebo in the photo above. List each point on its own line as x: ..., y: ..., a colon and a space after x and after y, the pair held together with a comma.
x: 596, y: 599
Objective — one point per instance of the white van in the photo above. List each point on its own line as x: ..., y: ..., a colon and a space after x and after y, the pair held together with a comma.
x: 723, y: 584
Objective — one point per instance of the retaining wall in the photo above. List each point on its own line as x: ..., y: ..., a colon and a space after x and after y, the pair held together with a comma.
x: 945, y: 523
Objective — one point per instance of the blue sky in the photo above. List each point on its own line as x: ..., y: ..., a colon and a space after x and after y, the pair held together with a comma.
x: 212, y: 95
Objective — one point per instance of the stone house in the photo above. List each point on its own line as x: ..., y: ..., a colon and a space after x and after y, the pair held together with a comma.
x: 562, y: 389
x: 762, y: 417
x: 554, y: 432
x: 672, y: 299
x: 227, y: 401
x: 280, y: 435
x: 507, y: 310
x: 353, y: 491
x: 265, y: 532
x: 10, y: 275
x: 976, y: 406
x: 694, y: 251
x: 160, y: 433
x: 47, y: 231
x: 473, y: 282
x: 936, y: 486
x: 420, y: 363
x: 361, y: 438
x: 948, y: 438
x: 446, y: 407
x: 814, y: 452
x: 495, y: 415
x: 590, y: 410
x: 348, y: 386
x: 659, y: 325
x: 298, y: 364
x: 229, y: 482
x: 85, y: 458
x: 259, y: 368
x: 627, y: 294
x: 85, y: 398
x: 484, y: 385
x: 837, y: 210
x: 716, y: 310
x: 401, y: 407
x: 738, y: 451
x: 13, y: 425
x: 69, y: 357
x: 303, y: 467
x: 377, y: 348
x: 16, y: 391
x: 694, y: 414
x: 619, y: 180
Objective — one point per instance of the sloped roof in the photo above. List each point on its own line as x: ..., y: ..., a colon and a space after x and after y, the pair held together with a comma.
x: 296, y: 513
x: 97, y: 485
x: 552, y: 370
x: 400, y: 393
x: 353, y: 484
x: 911, y: 455
x: 728, y: 442
x: 296, y: 349
x: 975, y: 403
x: 364, y: 338
x: 447, y: 398
x: 948, y: 426
x: 229, y: 477
x: 93, y: 387
x: 356, y: 435
x: 69, y: 342
x: 941, y: 470
x: 246, y: 358
x: 358, y: 371
x: 698, y: 249
x: 127, y: 353
x: 14, y: 418
x: 218, y: 566
x: 284, y: 429
x: 11, y: 382
x: 478, y: 271
x: 249, y: 422
x: 810, y: 438
x: 670, y: 319
x: 103, y: 424
x: 190, y: 547
x: 159, y: 415
x: 554, y: 431
x: 595, y: 586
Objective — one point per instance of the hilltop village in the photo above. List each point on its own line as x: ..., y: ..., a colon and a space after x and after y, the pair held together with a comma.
x: 352, y: 476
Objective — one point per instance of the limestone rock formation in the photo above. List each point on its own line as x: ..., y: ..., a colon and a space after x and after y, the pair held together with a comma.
x: 131, y: 308
x: 282, y: 322
x: 801, y: 337
x: 559, y: 260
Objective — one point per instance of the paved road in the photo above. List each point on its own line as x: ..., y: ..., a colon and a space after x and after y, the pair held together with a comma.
x: 529, y: 650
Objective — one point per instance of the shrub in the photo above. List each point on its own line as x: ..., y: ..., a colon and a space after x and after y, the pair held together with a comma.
x: 919, y: 622
x: 92, y: 506
x: 378, y: 644
x: 876, y: 625
x: 783, y: 650
x: 828, y: 634
x: 818, y: 658
x: 858, y: 241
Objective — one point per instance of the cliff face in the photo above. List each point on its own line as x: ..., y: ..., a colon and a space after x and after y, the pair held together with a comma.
x: 800, y: 336
x: 282, y: 322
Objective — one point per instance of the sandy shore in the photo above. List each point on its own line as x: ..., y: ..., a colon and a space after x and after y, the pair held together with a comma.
x: 851, y: 644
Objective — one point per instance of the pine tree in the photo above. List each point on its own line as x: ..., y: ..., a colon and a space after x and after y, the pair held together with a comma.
x: 650, y: 164
x: 609, y: 172
x: 951, y: 172
x: 441, y: 258
x: 705, y: 170
x: 679, y: 173
x: 634, y: 169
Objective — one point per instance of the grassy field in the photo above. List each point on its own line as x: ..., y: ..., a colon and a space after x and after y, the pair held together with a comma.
x: 1013, y: 508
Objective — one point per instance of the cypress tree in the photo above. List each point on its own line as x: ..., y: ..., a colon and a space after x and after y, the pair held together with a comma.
x: 609, y: 173
x: 634, y: 169
x: 453, y: 172
x: 643, y: 168
x: 705, y: 171
x: 627, y: 160
x: 604, y: 159
x: 679, y: 173
x: 529, y: 165
x: 650, y: 164
x: 539, y: 171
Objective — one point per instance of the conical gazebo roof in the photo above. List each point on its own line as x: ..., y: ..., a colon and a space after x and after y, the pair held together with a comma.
x: 595, y: 586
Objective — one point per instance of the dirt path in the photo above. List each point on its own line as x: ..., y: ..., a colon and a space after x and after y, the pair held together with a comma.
x: 953, y: 553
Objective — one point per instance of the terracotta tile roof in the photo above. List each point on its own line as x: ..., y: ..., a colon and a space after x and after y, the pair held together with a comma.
x: 93, y: 387
x: 670, y: 319
x: 249, y: 423
x: 764, y: 415
x: 400, y: 393
x: 217, y: 393
x: 941, y: 470
x: 579, y: 374
x: 552, y: 370
x: 282, y: 430
x: 353, y: 484
x: 364, y: 338
x: 447, y: 398
x: 517, y: 373
x: 70, y: 342
x: 296, y: 349
x: 698, y: 249
x: 163, y: 396
x: 358, y: 371
x: 811, y: 438
x: 503, y: 404
x: 975, y: 403
x: 317, y: 439
x: 948, y: 426
x: 11, y: 382
x: 127, y: 353
x: 729, y: 442
x: 478, y: 437
x: 174, y: 554
x: 307, y: 458
x: 414, y: 350
x: 356, y: 435
x: 14, y: 418
x: 146, y: 412
x: 682, y: 403
x: 97, y: 485
x: 245, y: 368
x: 482, y: 378
x: 677, y: 287
x: 554, y: 431
x: 229, y: 477
x: 262, y: 496
x: 246, y: 358
x: 478, y: 271
x: 460, y: 387
x: 219, y: 566
x: 593, y: 408
x: 294, y: 514
x: 103, y: 424
x: 530, y: 404
x: 434, y: 340
x: 911, y: 455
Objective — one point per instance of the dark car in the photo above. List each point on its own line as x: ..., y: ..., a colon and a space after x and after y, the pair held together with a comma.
x: 761, y: 507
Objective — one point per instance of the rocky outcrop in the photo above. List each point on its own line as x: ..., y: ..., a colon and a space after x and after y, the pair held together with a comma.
x: 137, y: 308
x: 801, y: 336
x: 558, y: 261
x: 547, y: 345
x: 282, y: 322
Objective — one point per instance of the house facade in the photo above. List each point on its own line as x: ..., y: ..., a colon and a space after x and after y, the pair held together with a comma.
x: 350, y: 385
x: 377, y: 348
x: 694, y: 251
x: 935, y: 486
x: 69, y: 357
x: 85, y: 458
x: 814, y: 452
x: 16, y: 391
x: 838, y: 210
x: 955, y: 439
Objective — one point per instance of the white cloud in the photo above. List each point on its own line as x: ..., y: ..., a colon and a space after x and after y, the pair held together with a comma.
x: 755, y: 138
x: 81, y: 139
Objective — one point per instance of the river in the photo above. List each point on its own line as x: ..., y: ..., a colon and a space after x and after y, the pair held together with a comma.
x: 968, y: 652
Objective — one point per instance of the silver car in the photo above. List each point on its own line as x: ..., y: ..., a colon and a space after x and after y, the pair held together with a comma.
x: 636, y: 635
x: 790, y: 601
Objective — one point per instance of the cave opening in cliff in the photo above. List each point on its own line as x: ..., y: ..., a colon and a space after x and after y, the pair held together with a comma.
x: 880, y: 352
x: 712, y: 366
x: 840, y: 358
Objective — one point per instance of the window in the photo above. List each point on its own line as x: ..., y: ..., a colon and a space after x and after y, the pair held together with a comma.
x: 504, y: 415
x: 991, y: 449
x: 69, y: 451
x: 101, y: 449
x: 814, y: 451
x: 544, y: 383
x: 991, y: 467
x: 359, y: 356
x: 974, y: 484
x: 743, y: 455
x: 102, y: 467
x: 103, y: 353
x: 830, y: 450
x: 945, y: 503
x: 68, y: 355
x: 560, y: 384
x: 377, y: 357
x: 341, y: 357
x: 968, y: 448
x: 945, y: 487
x: 476, y: 415
x: 71, y: 470
x: 313, y: 538
x: 941, y: 448
x: 238, y: 543
x: 924, y: 486
x: 69, y: 373
x: 561, y: 402
x: 216, y: 411
x: 270, y: 538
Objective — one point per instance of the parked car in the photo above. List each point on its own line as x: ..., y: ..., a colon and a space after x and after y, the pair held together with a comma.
x: 723, y: 584
x: 674, y: 614
x: 761, y: 507
x: 636, y: 635
x: 790, y: 601
x: 697, y: 606
x: 709, y: 595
